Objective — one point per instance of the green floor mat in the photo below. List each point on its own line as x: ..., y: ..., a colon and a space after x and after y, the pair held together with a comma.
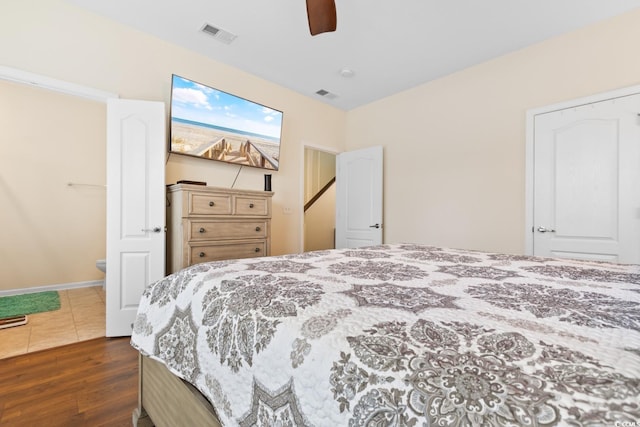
x: 17, y: 305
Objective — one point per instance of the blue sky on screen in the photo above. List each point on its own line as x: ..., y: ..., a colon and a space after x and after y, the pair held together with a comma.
x: 200, y: 103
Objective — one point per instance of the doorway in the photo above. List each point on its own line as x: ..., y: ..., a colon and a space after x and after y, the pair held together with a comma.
x: 57, y: 130
x: 319, y: 197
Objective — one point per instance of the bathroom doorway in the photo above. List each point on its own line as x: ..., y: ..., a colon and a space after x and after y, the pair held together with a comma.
x: 52, y: 189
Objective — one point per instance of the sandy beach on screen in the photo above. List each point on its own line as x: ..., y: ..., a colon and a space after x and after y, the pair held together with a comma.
x: 186, y: 137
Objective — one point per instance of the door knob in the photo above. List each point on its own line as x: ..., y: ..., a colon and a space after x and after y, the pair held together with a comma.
x: 152, y: 230
x: 375, y: 226
x: 546, y: 230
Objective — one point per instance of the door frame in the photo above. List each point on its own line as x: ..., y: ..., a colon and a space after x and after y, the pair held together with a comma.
x: 301, y: 189
x: 45, y: 82
x: 530, y: 142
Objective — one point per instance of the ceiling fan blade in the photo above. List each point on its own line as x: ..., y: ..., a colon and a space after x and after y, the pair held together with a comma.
x: 321, y: 15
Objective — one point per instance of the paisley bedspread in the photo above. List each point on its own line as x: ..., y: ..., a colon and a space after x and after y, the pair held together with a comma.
x: 402, y: 335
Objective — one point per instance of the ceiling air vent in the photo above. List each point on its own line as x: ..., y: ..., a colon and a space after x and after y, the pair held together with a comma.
x: 326, y: 94
x: 218, y: 33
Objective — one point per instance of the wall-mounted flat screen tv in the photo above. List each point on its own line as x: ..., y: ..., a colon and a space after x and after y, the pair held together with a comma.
x: 211, y: 124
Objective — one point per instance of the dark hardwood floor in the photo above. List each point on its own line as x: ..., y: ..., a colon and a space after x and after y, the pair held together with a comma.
x: 91, y: 383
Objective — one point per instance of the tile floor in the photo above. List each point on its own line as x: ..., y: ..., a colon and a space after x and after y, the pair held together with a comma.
x: 81, y: 317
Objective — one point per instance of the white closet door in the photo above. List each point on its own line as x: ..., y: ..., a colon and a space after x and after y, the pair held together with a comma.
x: 135, y: 207
x: 587, y: 181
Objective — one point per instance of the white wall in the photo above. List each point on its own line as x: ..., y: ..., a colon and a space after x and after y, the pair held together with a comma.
x: 455, y: 147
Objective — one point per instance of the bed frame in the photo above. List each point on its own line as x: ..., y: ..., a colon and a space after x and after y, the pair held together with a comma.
x: 166, y: 400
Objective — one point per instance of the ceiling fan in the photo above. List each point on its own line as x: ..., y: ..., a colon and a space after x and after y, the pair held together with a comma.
x: 321, y: 15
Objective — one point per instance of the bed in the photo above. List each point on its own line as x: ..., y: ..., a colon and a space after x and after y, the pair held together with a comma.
x: 391, y: 335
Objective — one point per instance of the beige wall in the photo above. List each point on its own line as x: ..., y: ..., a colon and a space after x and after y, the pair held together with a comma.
x: 320, y: 222
x: 455, y: 147
x: 55, y: 39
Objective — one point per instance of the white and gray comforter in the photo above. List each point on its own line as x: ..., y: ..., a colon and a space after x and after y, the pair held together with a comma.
x: 402, y: 335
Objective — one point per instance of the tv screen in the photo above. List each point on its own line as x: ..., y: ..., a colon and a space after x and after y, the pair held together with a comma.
x: 211, y: 124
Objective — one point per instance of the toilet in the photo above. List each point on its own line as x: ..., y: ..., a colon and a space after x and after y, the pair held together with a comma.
x: 101, y: 264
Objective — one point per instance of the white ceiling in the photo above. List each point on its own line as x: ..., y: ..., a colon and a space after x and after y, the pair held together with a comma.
x: 390, y: 45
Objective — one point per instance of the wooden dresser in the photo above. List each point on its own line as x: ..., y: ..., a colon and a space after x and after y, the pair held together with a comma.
x: 209, y: 224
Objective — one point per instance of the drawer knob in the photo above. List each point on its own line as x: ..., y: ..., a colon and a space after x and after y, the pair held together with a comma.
x: 202, y: 230
x: 251, y: 205
x: 201, y: 254
x: 211, y: 203
x: 257, y: 249
x: 258, y: 229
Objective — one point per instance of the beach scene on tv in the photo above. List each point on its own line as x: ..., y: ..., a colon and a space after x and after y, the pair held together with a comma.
x: 212, y: 124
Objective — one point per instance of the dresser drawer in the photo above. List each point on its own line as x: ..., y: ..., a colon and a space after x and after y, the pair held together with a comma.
x: 211, y: 224
x: 251, y: 206
x: 219, y: 230
x: 209, y: 204
x: 215, y: 252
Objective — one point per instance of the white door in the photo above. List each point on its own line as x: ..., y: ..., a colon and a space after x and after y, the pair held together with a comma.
x: 587, y: 182
x: 135, y: 207
x: 359, y: 198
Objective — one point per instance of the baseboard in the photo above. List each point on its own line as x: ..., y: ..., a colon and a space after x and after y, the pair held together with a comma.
x: 58, y: 287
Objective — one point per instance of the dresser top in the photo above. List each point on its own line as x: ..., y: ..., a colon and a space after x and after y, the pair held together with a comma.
x: 208, y: 189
